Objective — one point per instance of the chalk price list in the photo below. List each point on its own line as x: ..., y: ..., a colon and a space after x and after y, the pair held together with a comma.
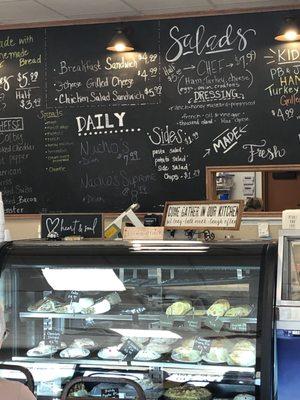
x: 284, y: 72
x: 118, y: 79
x: 21, y: 84
x: 170, y: 155
x: 27, y: 91
x: 24, y: 86
x: 221, y: 77
x: 57, y: 146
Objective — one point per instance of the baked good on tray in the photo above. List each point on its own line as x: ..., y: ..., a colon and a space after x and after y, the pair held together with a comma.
x: 186, y: 355
x: 243, y: 354
x: 239, y: 311
x: 147, y: 354
x: 179, y: 308
x: 219, y: 308
x: 74, y: 352
x: 188, y: 342
x: 188, y: 393
x: 84, y: 342
x: 218, y: 352
x: 45, y: 305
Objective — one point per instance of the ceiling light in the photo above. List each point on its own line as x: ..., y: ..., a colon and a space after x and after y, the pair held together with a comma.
x: 289, y: 32
x: 120, y: 42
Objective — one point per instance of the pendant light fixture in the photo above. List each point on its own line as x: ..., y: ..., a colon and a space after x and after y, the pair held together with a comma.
x: 290, y: 31
x: 120, y: 42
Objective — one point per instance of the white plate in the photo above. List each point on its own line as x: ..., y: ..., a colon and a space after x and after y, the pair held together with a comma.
x: 33, y: 353
x: 105, y: 354
x: 176, y: 357
x: 209, y: 361
x: 66, y: 353
x: 231, y: 364
x: 152, y: 355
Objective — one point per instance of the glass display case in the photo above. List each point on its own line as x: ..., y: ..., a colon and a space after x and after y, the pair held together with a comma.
x: 186, y: 320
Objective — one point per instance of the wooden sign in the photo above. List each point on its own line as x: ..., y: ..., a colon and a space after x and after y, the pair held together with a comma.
x: 196, y: 215
x: 85, y: 225
x: 143, y: 233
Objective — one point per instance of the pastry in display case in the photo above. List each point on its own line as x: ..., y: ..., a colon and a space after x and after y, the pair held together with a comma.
x: 185, y: 320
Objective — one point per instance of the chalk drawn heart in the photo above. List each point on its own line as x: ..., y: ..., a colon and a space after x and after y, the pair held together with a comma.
x: 52, y: 224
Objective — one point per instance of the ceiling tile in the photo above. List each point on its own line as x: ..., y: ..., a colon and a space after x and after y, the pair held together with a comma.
x: 100, y: 16
x: 26, y: 11
x: 252, y: 3
x: 87, y: 7
x: 170, y: 6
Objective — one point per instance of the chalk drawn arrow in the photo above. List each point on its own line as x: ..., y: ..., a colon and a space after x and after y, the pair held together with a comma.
x: 207, y: 153
x: 191, y: 67
x: 229, y: 65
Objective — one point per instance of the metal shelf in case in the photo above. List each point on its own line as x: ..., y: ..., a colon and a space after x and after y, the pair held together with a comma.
x: 142, y: 317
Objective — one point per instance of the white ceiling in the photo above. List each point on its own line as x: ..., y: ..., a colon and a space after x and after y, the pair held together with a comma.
x: 36, y: 11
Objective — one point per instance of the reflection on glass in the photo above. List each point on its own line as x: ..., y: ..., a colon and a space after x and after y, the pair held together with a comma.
x: 263, y: 188
x: 245, y: 186
x: 291, y: 285
x: 83, y: 279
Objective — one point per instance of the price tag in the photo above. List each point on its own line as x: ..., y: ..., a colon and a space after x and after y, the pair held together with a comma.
x: 166, y: 322
x: 192, y: 324
x: 238, y: 325
x: 129, y: 349
x: 110, y: 393
x: 202, y: 345
x: 73, y: 296
x: 53, y: 337
x: 214, y: 323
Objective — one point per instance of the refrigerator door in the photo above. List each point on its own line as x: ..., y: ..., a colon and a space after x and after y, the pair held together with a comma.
x: 186, y: 314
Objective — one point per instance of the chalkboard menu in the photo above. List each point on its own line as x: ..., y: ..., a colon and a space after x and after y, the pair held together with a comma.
x: 84, y: 130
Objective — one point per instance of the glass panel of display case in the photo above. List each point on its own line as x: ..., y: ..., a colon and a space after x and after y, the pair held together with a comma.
x: 291, y: 271
x: 182, y: 316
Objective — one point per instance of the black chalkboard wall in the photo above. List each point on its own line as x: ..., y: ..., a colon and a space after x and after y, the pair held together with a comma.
x: 83, y: 130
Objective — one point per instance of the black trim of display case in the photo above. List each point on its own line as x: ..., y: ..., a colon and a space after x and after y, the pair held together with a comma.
x: 98, y: 380
x: 4, y: 248
x: 29, y: 378
x: 268, y: 318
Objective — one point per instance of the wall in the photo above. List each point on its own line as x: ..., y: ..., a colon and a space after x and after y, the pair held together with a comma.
x: 24, y: 228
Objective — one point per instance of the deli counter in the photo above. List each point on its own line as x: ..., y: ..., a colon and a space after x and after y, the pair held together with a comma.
x: 186, y: 320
